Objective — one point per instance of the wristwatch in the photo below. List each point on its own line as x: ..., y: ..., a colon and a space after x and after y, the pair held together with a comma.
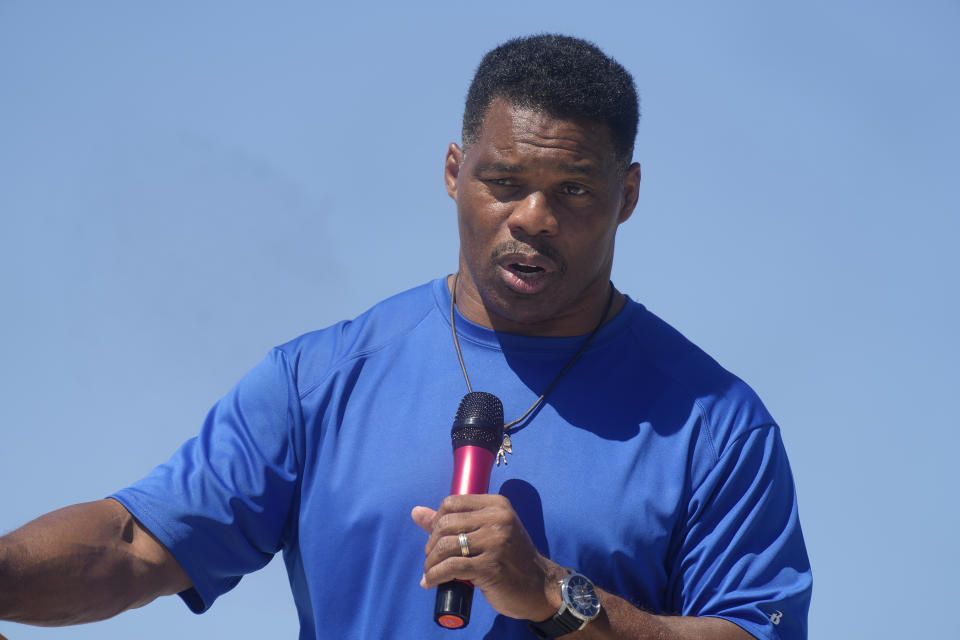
x: 580, y: 606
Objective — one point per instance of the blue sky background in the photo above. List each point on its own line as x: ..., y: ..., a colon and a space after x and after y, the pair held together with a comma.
x: 185, y: 184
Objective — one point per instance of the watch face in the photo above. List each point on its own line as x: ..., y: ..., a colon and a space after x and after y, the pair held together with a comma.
x: 581, y: 598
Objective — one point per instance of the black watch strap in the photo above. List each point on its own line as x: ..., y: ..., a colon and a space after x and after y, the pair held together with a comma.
x: 559, y: 625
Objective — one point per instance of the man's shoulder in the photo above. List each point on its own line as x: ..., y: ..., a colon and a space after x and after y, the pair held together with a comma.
x: 728, y: 405
x: 674, y: 354
x: 316, y: 352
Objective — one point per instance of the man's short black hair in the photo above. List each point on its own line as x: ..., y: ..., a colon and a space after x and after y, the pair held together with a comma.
x: 562, y: 76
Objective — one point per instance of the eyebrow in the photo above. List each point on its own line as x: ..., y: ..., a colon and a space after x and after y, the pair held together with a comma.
x: 501, y: 167
x: 504, y: 167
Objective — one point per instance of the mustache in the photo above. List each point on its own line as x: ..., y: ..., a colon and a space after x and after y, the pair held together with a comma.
x: 534, y: 246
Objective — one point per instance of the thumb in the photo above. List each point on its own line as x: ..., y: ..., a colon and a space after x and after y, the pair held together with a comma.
x: 423, y: 516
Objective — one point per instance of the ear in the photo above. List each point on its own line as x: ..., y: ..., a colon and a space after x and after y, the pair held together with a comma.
x: 451, y: 169
x: 629, y: 192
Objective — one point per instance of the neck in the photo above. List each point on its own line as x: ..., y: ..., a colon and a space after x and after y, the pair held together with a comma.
x: 575, y: 322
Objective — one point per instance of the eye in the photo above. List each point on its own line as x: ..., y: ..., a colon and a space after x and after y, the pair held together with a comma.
x: 501, y: 187
x: 570, y: 189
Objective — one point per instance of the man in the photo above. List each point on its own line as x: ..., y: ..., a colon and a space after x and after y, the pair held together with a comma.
x: 646, y: 468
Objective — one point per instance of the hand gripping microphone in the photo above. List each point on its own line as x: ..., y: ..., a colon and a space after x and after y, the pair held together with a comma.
x: 476, y: 434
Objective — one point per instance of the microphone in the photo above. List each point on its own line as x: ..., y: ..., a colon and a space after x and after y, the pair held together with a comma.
x: 476, y: 434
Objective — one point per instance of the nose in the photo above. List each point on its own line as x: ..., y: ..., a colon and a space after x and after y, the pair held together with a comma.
x: 533, y: 216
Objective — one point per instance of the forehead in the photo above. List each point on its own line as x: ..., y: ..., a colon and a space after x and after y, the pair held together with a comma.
x: 512, y: 130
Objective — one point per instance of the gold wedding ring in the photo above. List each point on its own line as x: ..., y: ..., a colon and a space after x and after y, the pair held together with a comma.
x: 464, y: 545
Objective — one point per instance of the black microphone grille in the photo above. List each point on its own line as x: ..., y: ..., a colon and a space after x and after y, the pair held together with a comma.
x: 479, y: 421
x: 479, y: 408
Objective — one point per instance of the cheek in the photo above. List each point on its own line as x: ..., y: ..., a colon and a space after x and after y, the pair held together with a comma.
x: 468, y: 229
x: 473, y: 245
x: 595, y: 250
x: 479, y: 225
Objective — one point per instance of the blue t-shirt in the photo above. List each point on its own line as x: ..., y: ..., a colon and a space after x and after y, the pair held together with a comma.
x: 649, y: 468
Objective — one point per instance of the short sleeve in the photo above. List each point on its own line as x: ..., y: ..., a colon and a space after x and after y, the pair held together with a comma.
x: 221, y: 504
x: 742, y: 556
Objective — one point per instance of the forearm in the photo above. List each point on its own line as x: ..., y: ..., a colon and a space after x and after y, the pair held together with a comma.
x: 619, y: 619
x: 82, y: 563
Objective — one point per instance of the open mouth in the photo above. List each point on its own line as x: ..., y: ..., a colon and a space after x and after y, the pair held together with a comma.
x: 526, y: 278
x: 525, y: 270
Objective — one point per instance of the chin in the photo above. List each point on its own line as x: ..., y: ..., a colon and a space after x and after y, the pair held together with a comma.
x: 522, y: 310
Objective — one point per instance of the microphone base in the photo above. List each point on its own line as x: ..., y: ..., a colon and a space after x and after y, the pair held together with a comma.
x: 453, y: 603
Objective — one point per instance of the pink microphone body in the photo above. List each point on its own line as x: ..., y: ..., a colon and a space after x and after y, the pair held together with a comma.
x: 471, y: 470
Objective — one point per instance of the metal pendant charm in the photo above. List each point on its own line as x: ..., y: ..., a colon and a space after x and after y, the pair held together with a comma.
x: 505, y: 447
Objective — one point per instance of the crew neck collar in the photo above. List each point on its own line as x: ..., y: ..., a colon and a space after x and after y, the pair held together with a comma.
x: 477, y: 334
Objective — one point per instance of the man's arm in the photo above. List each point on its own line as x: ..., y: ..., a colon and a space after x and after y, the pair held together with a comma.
x: 83, y: 563
x: 620, y: 619
x: 520, y: 583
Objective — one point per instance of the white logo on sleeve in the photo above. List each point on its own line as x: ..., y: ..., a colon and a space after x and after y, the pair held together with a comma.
x: 775, y: 617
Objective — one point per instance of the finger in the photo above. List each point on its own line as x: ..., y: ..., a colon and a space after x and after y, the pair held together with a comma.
x: 448, y: 548
x: 465, y: 514
x: 452, y: 546
x: 455, y: 568
x: 423, y: 517
x: 452, y: 524
x: 455, y: 510
x: 458, y: 503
